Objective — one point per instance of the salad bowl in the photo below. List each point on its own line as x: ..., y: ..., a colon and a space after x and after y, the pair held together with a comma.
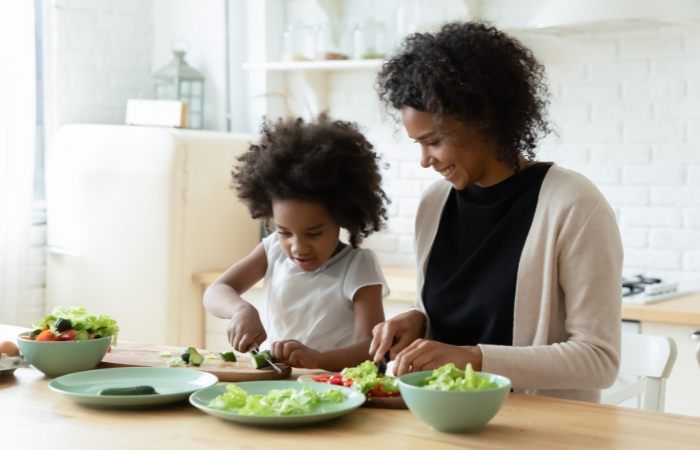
x: 451, y: 411
x: 59, y: 358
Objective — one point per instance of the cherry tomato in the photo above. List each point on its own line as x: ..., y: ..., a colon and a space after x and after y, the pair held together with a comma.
x: 109, y: 349
x: 336, y: 380
x: 348, y: 383
x: 378, y: 392
x: 68, y: 335
x: 321, y: 378
x: 46, y: 335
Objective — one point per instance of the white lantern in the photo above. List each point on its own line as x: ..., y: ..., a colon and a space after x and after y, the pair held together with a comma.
x: 179, y: 81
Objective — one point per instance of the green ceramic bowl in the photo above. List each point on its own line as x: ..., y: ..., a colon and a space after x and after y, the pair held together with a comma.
x: 57, y: 358
x: 453, y: 411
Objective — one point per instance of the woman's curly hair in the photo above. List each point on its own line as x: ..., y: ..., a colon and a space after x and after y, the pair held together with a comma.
x: 323, y: 161
x: 477, y: 74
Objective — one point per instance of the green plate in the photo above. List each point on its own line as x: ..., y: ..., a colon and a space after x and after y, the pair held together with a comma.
x: 172, y: 385
x: 325, y: 411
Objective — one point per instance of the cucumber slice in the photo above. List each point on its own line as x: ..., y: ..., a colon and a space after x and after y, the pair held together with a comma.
x: 63, y: 325
x: 260, y: 360
x: 185, y: 355
x: 228, y: 356
x: 131, y: 390
x: 195, y: 358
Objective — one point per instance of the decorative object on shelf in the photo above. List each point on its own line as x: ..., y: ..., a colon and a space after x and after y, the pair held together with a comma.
x: 159, y: 113
x: 369, y: 40
x: 328, y: 46
x: 298, y: 43
x: 178, y: 81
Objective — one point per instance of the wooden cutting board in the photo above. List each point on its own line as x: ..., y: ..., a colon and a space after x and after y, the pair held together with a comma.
x: 129, y: 354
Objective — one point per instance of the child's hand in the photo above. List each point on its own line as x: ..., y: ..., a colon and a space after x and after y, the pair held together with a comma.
x: 245, y: 330
x: 295, y: 354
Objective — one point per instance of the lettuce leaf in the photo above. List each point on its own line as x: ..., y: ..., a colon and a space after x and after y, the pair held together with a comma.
x: 366, y: 377
x: 450, y: 378
x: 285, y: 402
x: 91, y: 323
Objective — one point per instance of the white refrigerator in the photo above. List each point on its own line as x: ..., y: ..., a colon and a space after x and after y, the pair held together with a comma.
x: 132, y: 214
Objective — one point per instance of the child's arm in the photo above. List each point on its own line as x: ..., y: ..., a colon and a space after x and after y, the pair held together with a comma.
x: 369, y: 312
x: 223, y: 299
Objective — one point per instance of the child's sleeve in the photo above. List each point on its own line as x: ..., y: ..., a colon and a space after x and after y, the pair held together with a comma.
x: 272, y: 246
x: 364, y: 270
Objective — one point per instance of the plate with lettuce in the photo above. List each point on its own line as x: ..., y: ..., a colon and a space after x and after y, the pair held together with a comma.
x: 277, y: 402
x: 381, y: 391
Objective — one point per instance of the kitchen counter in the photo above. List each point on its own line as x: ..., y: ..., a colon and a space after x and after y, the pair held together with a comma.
x: 681, y: 310
x: 33, y: 415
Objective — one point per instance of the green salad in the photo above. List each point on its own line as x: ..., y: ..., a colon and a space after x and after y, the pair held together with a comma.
x: 277, y: 402
x: 450, y: 378
x: 366, y: 378
x: 74, y: 323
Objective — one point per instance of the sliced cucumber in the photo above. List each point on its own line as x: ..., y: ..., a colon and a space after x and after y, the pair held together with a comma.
x: 63, y: 325
x: 131, y: 390
x: 195, y: 358
x: 260, y: 360
x: 36, y: 332
x: 228, y: 356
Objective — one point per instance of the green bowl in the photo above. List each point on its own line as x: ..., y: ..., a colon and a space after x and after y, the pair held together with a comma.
x: 453, y: 411
x: 57, y: 358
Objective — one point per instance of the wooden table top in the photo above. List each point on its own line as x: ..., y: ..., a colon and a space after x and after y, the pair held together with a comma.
x: 681, y: 310
x: 33, y: 415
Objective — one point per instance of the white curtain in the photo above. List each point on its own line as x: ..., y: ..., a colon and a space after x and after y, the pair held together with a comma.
x: 17, y: 141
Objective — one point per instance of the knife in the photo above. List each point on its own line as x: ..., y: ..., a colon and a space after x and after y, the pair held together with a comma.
x: 255, y: 351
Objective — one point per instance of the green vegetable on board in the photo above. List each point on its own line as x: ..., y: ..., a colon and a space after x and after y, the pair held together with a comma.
x: 277, y: 402
x: 450, y: 378
x: 260, y: 360
x: 132, y: 390
x: 228, y: 356
x: 185, y: 355
x: 195, y: 358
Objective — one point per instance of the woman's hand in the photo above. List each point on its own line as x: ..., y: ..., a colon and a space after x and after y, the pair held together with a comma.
x: 295, y: 354
x: 245, y: 330
x: 429, y: 355
x: 396, y: 334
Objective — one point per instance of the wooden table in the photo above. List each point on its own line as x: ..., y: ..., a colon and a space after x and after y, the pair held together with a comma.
x: 33, y: 416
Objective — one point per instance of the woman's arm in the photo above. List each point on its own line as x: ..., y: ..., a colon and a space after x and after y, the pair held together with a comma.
x: 589, y: 274
x: 223, y: 299
x: 369, y: 312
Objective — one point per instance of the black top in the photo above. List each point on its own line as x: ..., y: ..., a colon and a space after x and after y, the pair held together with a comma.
x: 469, y: 290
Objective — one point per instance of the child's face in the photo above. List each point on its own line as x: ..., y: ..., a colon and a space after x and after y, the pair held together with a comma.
x: 308, y: 233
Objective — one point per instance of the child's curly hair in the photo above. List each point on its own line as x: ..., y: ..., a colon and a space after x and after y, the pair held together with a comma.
x: 323, y: 161
x: 479, y: 75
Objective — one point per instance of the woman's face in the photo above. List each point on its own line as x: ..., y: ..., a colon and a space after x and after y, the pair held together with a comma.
x: 309, y: 235
x: 462, y: 154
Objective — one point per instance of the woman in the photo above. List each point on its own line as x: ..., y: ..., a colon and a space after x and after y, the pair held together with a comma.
x: 519, y: 263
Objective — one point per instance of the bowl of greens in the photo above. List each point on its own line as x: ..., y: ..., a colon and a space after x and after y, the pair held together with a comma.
x: 68, y: 340
x: 452, y: 400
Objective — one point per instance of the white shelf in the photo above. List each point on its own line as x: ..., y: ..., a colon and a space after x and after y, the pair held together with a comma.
x: 350, y: 64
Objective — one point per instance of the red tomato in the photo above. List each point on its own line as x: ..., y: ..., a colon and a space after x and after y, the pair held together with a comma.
x: 26, y: 338
x: 377, y: 392
x: 348, y: 383
x: 336, y: 380
x: 109, y: 349
x: 68, y: 335
x: 46, y: 335
x: 321, y: 378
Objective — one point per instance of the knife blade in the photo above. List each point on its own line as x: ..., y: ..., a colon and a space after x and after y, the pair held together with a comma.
x: 255, y: 351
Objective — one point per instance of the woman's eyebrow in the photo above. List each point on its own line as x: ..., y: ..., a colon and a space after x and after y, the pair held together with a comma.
x: 424, y: 136
x: 316, y: 227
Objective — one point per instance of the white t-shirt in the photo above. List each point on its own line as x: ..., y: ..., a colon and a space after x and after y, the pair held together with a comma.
x: 316, y: 307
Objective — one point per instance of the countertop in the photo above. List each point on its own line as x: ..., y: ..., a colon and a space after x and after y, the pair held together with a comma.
x: 681, y: 310
x: 32, y: 415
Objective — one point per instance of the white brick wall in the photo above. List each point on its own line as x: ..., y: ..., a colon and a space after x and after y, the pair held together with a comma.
x: 98, y: 55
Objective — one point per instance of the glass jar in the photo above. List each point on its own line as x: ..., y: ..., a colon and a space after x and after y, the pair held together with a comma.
x: 298, y: 43
x: 327, y: 45
x: 369, y: 40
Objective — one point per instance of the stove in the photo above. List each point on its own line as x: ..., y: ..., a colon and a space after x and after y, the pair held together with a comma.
x: 641, y: 289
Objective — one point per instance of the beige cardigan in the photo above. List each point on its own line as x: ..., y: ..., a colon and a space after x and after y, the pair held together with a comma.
x: 566, y: 334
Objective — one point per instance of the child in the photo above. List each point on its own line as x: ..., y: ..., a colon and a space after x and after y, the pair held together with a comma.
x: 321, y: 297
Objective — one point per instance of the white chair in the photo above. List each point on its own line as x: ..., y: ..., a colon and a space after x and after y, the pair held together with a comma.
x: 651, y: 358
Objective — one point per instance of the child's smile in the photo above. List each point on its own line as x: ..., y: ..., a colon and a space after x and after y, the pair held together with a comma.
x: 309, y: 235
